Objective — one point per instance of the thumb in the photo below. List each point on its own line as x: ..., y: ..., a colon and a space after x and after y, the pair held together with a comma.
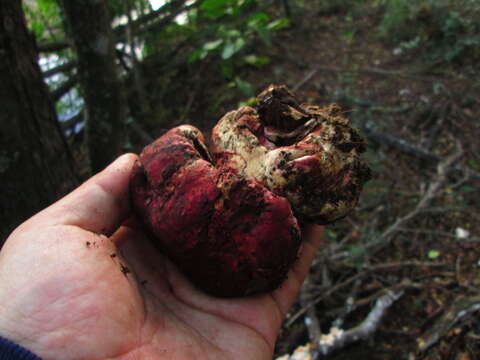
x: 99, y: 205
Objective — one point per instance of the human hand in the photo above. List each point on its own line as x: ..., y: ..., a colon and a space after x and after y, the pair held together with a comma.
x: 78, y: 282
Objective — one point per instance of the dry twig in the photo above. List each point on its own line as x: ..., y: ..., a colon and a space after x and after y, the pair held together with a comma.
x: 369, y: 299
x: 353, y: 279
x: 327, y: 293
x: 430, y: 194
x: 338, y: 338
x: 311, y: 320
x: 460, y: 309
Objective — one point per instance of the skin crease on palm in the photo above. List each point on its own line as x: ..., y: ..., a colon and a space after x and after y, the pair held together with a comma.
x: 63, y: 293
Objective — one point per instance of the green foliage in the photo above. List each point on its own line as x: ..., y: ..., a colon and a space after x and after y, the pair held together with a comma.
x: 118, y: 7
x: 215, y: 9
x: 231, y: 33
x: 44, y: 19
x: 234, y: 36
x: 245, y: 87
x: 445, y: 31
x: 255, y: 60
x: 168, y: 38
x: 337, y: 6
x: 397, y: 16
x: 230, y: 38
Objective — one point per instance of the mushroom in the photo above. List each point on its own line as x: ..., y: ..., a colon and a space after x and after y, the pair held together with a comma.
x: 229, y: 216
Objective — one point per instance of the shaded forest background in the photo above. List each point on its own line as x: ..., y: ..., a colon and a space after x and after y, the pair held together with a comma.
x: 83, y: 82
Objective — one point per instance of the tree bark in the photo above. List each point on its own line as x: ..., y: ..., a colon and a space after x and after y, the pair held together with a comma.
x: 89, y: 25
x: 36, y: 166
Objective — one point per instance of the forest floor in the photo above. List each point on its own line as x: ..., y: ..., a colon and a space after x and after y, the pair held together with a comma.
x: 417, y: 227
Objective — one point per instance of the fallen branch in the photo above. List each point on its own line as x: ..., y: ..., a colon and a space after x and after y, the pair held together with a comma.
x: 327, y: 293
x: 338, y: 338
x: 402, y: 145
x: 311, y: 320
x: 423, y: 205
x: 460, y: 309
x: 430, y: 194
x: 349, y: 305
x: 386, y: 266
x: 353, y: 279
x: 415, y: 150
x: 369, y: 299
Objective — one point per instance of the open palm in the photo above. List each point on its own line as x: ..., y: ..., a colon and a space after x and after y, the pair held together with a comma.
x: 75, y: 284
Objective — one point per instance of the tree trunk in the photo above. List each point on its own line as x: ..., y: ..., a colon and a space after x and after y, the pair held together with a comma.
x: 90, y: 28
x: 36, y: 166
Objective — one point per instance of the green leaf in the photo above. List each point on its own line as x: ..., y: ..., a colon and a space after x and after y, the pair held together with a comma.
x: 212, y: 45
x: 227, y: 70
x: 244, y: 86
x: 252, y: 101
x: 46, y: 6
x: 433, y: 254
x: 232, y: 47
x: 255, y: 60
x: 258, y: 19
x: 197, y: 55
x: 265, y: 35
x: 331, y: 234
x: 241, y: 3
x: 278, y: 24
x: 348, y: 35
x: 258, y: 24
x: 38, y: 28
x: 215, y: 8
x: 356, y: 250
x: 230, y: 33
x: 468, y: 189
x: 202, y: 53
x: 473, y: 164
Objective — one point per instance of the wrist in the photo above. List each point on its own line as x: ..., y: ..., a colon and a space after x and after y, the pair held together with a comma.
x: 16, y: 337
x: 12, y: 351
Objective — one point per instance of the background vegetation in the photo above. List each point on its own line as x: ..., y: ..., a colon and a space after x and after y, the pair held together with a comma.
x: 405, y: 72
